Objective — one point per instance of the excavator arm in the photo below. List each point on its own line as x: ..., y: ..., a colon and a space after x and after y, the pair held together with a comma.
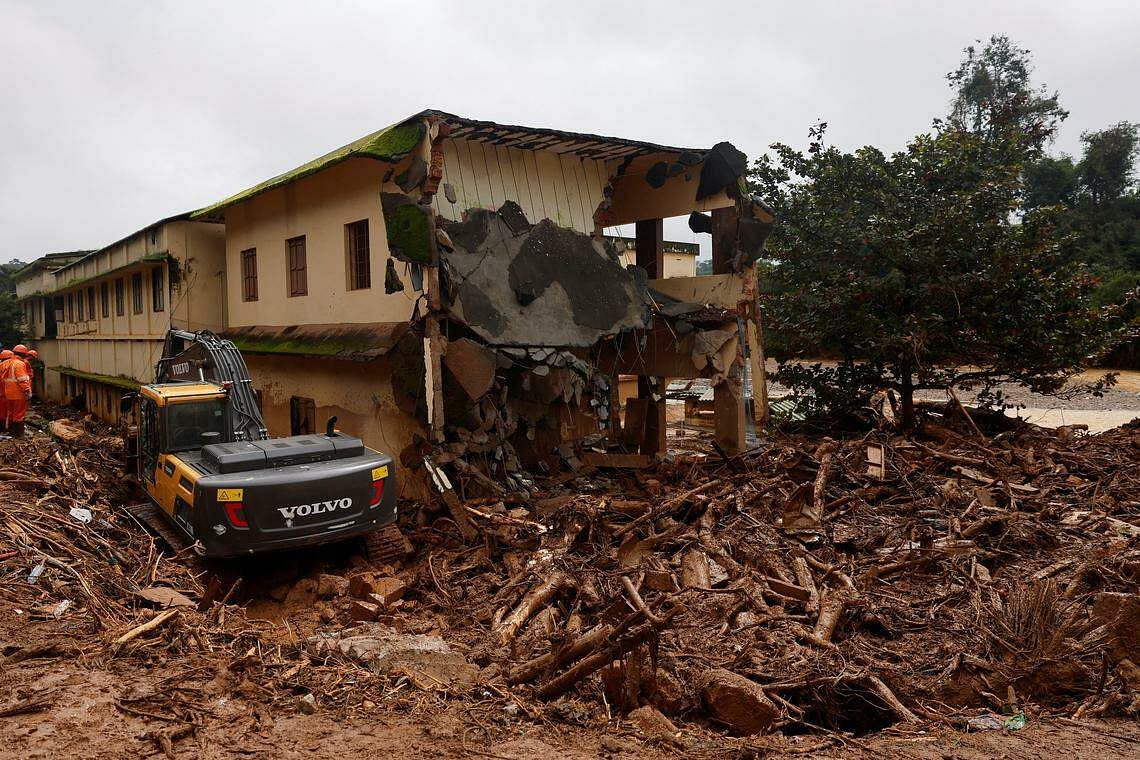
x: 202, y: 356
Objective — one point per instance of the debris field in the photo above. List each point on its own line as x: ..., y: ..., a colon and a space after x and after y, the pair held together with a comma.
x: 812, y: 589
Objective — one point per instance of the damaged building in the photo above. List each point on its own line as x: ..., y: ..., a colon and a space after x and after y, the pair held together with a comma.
x: 449, y: 289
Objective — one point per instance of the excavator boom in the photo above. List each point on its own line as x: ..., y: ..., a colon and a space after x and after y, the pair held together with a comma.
x: 203, y: 356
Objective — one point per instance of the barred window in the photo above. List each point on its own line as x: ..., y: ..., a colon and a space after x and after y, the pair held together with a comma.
x: 298, y: 274
x: 137, y: 293
x: 249, y: 274
x: 104, y: 299
x: 157, y: 289
x: 356, y: 246
x: 120, y: 297
x: 91, y: 302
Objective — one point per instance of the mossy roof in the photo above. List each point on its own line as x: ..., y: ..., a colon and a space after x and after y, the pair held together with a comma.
x: 393, y: 143
x: 351, y: 342
x: 118, y: 381
x: 390, y: 144
x: 51, y: 261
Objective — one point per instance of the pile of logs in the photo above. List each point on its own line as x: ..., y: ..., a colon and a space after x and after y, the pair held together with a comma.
x: 850, y: 584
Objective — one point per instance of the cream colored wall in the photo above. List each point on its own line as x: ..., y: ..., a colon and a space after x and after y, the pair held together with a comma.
x: 563, y: 188
x: 318, y: 207
x: 130, y: 344
x: 199, y: 297
x: 676, y: 264
x: 358, y: 394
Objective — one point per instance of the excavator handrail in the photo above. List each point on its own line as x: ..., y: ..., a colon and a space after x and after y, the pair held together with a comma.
x: 222, y: 363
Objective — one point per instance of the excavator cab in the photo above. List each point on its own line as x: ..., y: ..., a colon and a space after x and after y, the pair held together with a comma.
x: 211, y: 471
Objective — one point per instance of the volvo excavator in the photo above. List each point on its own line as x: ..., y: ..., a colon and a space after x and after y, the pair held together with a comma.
x: 216, y: 481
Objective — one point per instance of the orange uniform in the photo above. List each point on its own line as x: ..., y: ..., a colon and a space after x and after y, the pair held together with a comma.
x: 17, y: 391
x: 5, y: 355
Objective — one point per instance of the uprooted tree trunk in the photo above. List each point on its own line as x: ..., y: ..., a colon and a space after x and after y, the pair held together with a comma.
x: 537, y: 597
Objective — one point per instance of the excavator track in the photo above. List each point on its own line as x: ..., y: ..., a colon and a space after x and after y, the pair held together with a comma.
x: 387, y: 546
x: 149, y: 516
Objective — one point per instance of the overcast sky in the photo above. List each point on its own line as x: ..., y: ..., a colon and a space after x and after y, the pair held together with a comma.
x: 116, y: 114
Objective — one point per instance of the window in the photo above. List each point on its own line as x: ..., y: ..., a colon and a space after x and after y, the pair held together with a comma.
x: 70, y: 307
x: 302, y: 415
x: 189, y: 425
x: 104, y: 299
x: 91, y: 302
x: 157, y: 290
x: 249, y: 274
x: 137, y: 293
x: 78, y: 304
x: 57, y: 306
x: 298, y: 276
x: 356, y: 244
x: 120, y: 298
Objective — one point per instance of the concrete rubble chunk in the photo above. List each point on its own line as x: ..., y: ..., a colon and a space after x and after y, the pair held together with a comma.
x: 329, y: 586
x: 427, y: 660
x: 652, y: 723
x: 471, y: 365
x: 738, y: 703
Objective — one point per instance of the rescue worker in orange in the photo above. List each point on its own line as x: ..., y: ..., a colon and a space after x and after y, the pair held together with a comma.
x: 5, y: 355
x: 17, y: 389
x: 27, y: 355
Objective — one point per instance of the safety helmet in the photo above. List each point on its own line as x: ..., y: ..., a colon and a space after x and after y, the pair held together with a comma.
x: 20, y: 349
x: 33, y: 353
x: 6, y: 354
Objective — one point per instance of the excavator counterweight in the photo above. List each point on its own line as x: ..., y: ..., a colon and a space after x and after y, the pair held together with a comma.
x: 207, y: 463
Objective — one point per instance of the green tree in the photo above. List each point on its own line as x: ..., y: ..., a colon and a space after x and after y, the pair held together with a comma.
x: 11, y: 315
x: 1051, y: 181
x: 1105, y: 170
x: 993, y: 93
x: 912, y: 265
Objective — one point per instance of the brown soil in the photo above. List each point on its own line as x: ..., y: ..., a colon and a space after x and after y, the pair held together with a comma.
x: 952, y: 630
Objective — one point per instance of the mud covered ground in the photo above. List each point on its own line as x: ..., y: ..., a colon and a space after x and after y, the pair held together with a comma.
x: 948, y: 577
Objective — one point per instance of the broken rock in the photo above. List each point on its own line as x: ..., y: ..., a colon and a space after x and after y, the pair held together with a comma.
x: 738, y: 703
x: 329, y: 586
x: 652, y: 723
x: 427, y: 660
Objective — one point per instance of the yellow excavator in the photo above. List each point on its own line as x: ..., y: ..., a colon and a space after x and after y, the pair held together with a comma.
x: 214, y: 478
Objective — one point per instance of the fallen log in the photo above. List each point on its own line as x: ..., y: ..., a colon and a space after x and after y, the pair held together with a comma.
x: 535, y: 598
x: 831, y: 609
x: 898, y: 708
x: 559, y: 685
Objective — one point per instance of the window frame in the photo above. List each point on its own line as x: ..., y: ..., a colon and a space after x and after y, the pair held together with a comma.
x: 120, y: 296
x: 249, y: 275
x: 358, y: 255
x: 157, y: 290
x: 91, y: 302
x: 105, y: 299
x: 137, y: 299
x: 296, y: 266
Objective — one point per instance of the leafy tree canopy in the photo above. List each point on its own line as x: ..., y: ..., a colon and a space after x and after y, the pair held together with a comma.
x: 912, y: 265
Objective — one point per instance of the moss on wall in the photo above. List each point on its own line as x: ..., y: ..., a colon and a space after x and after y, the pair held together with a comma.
x: 390, y: 144
x: 118, y: 381
x: 409, y: 229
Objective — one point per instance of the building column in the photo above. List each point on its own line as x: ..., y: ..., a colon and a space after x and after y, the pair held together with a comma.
x: 650, y: 256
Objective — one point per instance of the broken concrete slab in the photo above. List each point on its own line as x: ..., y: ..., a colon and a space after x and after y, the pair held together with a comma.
x: 427, y: 660
x: 543, y: 286
x: 471, y: 365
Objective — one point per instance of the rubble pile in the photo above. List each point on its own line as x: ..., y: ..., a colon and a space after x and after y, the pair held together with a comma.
x: 810, y: 586
x: 846, y: 585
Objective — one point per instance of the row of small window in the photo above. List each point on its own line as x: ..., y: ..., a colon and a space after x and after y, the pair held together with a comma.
x: 356, y: 258
x: 84, y: 300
